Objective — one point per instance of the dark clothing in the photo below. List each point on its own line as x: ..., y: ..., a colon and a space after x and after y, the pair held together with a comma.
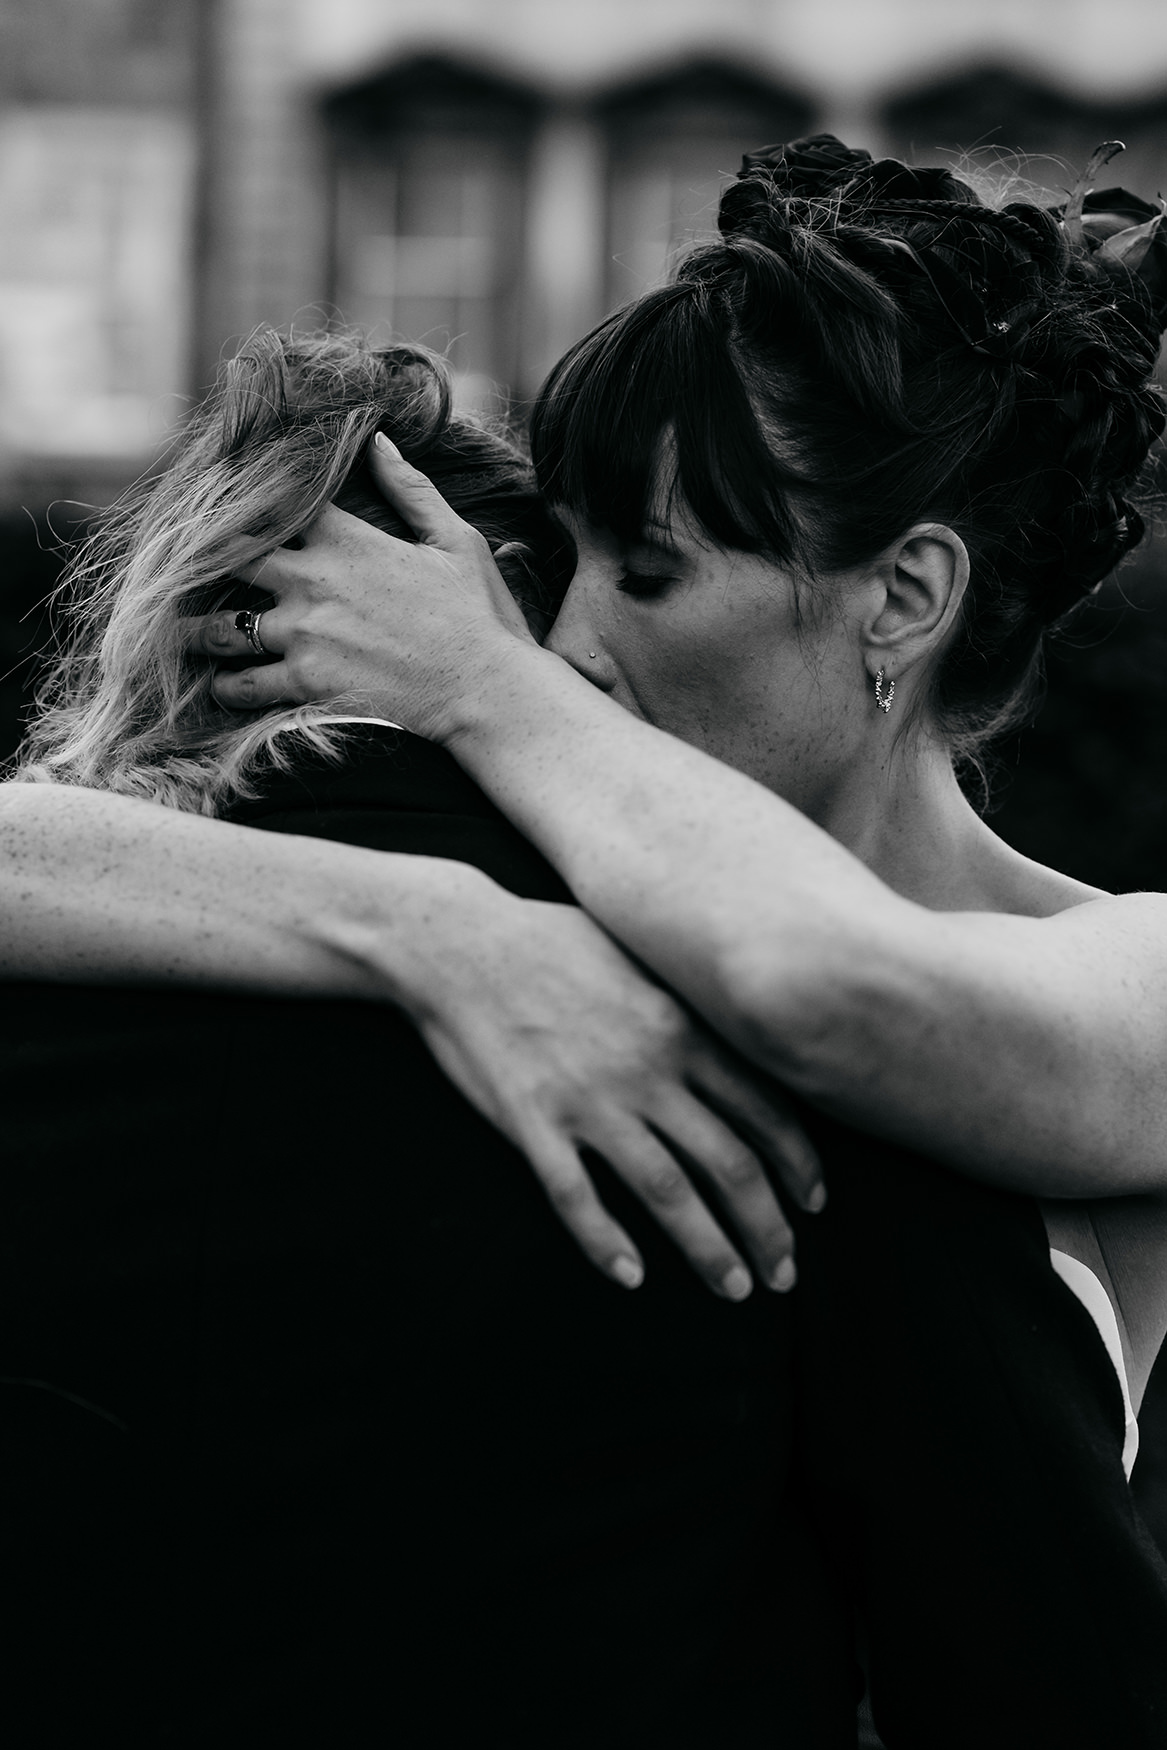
x: 367, y: 1453
x: 960, y: 1429
x: 395, y: 792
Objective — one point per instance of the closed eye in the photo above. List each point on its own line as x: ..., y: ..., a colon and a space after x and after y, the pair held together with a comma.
x: 643, y: 583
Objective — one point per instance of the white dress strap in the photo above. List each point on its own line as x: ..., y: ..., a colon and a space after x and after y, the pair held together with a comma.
x: 1081, y: 1280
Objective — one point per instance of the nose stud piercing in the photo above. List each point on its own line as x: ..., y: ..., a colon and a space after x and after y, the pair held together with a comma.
x: 883, y: 699
x: 592, y: 654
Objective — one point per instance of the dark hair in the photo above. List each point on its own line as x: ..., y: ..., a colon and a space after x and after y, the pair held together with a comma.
x: 126, y: 706
x: 866, y: 347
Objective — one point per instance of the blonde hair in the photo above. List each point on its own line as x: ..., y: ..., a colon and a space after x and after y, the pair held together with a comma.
x: 125, y: 705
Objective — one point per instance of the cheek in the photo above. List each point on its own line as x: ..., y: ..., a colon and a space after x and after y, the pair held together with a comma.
x: 746, y: 655
x: 754, y: 694
x: 712, y: 681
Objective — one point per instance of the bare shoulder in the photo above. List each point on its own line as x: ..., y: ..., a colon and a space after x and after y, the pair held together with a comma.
x: 1121, y: 916
x: 1120, y: 942
x: 1034, y: 890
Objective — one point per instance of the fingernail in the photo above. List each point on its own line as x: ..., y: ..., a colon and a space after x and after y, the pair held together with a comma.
x: 817, y: 1199
x: 785, y: 1276
x: 387, y: 444
x: 627, y: 1272
x: 736, y: 1283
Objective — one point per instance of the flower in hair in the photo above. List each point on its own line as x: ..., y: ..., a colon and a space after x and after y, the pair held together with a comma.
x: 1117, y: 229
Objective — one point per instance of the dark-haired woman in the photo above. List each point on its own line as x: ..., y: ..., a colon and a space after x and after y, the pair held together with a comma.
x: 829, y: 488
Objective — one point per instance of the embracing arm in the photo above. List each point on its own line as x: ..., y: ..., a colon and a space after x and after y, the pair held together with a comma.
x: 98, y: 888
x: 1031, y: 1052
x: 532, y: 1011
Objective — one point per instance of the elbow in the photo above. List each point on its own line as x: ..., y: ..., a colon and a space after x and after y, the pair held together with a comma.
x: 836, y: 1011
x: 803, y: 1014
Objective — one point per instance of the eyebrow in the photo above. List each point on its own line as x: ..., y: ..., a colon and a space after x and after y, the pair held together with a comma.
x: 649, y: 532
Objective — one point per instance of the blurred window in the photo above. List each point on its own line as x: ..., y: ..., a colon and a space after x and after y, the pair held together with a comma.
x: 431, y: 169
x: 673, y: 143
x: 94, y: 213
x: 1020, y: 124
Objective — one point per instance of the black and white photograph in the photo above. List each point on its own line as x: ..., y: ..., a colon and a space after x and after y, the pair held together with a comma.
x: 583, y: 874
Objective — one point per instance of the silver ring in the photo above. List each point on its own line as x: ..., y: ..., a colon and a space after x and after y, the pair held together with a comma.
x: 247, y: 621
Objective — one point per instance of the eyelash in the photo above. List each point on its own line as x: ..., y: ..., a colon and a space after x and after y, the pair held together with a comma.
x: 643, y: 583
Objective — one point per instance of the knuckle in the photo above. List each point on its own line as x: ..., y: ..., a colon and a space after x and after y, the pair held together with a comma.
x: 569, y: 1193
x: 665, y: 1183
x: 662, y: 1026
x: 218, y: 637
x: 739, y: 1169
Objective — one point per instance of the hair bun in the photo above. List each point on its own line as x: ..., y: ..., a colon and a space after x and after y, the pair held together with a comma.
x: 1125, y: 233
x: 1087, y: 543
x: 821, y: 166
x: 816, y: 165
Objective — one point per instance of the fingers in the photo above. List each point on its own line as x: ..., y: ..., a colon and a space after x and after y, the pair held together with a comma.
x: 283, y: 567
x: 764, y: 1114
x: 417, y: 499
x: 253, y: 689
x: 216, y: 636
x: 573, y: 1198
x: 654, y: 1175
x: 739, y: 1180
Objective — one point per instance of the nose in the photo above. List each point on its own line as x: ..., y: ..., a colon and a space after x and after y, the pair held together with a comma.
x: 575, y: 639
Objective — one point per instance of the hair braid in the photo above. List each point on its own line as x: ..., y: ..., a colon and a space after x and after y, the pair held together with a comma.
x: 871, y: 344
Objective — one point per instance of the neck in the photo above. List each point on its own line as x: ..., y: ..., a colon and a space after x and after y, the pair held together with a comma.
x: 905, y: 816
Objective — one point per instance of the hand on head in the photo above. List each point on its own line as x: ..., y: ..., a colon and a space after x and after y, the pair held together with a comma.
x: 389, y: 627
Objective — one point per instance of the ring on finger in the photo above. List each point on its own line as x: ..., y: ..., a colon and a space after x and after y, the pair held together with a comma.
x: 247, y: 621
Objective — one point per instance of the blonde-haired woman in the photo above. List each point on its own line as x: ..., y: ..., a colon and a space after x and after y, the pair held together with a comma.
x: 323, y: 1428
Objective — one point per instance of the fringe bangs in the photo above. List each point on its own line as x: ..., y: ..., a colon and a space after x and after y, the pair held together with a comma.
x: 652, y: 407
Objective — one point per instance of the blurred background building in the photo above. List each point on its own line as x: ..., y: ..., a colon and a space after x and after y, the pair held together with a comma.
x: 492, y: 176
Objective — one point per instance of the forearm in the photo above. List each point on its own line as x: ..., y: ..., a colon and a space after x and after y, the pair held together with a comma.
x: 697, y: 869
x: 658, y: 841
x: 1015, y: 1049
x: 98, y: 888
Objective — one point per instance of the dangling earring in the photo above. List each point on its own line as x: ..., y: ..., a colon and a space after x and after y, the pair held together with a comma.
x: 884, y: 699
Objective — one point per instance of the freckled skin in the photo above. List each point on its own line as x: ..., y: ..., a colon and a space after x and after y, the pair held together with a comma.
x: 772, y: 675
x: 710, y: 645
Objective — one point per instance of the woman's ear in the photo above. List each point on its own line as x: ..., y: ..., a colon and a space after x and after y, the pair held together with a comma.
x: 923, y: 579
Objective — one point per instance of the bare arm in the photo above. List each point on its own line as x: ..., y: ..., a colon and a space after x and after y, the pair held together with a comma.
x: 530, y: 1008
x: 1029, y: 1052
x: 1032, y: 1052
x: 96, y: 888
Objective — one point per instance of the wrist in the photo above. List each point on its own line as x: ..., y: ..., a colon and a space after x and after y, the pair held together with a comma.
x: 400, y: 928
x: 505, y: 684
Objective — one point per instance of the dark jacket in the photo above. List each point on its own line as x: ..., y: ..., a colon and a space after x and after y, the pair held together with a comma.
x: 320, y: 1429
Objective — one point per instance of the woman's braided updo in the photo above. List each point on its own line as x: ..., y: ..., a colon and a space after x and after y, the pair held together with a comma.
x: 869, y: 346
